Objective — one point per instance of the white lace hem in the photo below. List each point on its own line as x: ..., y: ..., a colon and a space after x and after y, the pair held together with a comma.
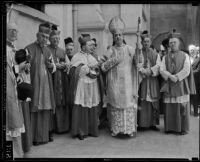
x: 16, y: 132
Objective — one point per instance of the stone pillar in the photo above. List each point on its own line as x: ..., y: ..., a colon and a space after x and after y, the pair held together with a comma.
x: 67, y: 20
x: 63, y: 13
x: 75, y: 27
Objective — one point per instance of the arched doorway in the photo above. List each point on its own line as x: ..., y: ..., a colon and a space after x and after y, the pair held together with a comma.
x: 157, y: 41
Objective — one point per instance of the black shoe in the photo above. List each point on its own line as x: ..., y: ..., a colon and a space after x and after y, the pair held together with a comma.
x: 74, y: 136
x: 92, y: 135
x: 167, y: 132
x: 51, y: 139
x: 154, y: 128
x: 81, y: 137
x: 141, y: 128
x: 183, y: 133
x: 39, y: 143
x: 64, y: 132
x: 85, y: 136
x: 36, y: 143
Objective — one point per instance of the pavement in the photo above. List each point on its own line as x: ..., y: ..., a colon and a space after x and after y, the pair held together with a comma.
x: 147, y: 144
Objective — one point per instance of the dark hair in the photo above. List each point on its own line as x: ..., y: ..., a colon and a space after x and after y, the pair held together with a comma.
x: 46, y: 24
x: 95, y: 41
x: 165, y: 42
x: 54, y: 27
x: 20, y: 56
x: 68, y: 40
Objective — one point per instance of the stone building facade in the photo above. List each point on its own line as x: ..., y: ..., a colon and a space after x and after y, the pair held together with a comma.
x: 185, y: 18
x: 75, y: 19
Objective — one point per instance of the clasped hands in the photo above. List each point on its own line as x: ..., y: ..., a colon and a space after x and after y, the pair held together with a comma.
x: 24, y: 66
x: 173, y: 78
x: 93, y: 71
x: 145, y: 71
x: 62, y: 65
x: 88, y: 71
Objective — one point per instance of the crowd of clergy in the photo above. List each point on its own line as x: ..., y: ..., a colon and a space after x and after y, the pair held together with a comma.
x: 53, y: 90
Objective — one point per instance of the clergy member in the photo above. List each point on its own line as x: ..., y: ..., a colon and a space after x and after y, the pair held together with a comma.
x: 43, y: 102
x: 14, y: 117
x: 149, y: 92
x: 122, y: 93
x: 179, y: 84
x: 85, y: 92
x: 69, y: 47
x: 60, y: 82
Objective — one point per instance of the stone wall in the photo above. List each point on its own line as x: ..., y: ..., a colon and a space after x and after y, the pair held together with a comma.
x: 91, y: 18
x: 94, y: 19
x: 182, y: 17
x: 27, y: 20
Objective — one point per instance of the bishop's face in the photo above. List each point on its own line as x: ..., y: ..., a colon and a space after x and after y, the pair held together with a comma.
x: 146, y: 43
x: 54, y: 40
x: 174, y: 44
x: 42, y: 38
x: 118, y: 38
x: 88, y: 47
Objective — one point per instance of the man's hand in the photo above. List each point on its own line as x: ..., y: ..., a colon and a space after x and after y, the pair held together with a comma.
x: 22, y: 66
x: 60, y: 66
x: 27, y: 67
x: 92, y: 74
x: 63, y: 65
x: 142, y: 70
x: 93, y: 66
x: 140, y: 66
x: 148, y: 72
x: 173, y: 78
x: 19, y: 79
x: 67, y: 67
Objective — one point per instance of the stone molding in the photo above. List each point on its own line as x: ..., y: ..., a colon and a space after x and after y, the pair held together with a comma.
x: 26, y: 10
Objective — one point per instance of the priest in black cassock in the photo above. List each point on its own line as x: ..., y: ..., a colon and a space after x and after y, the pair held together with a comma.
x: 60, y: 82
